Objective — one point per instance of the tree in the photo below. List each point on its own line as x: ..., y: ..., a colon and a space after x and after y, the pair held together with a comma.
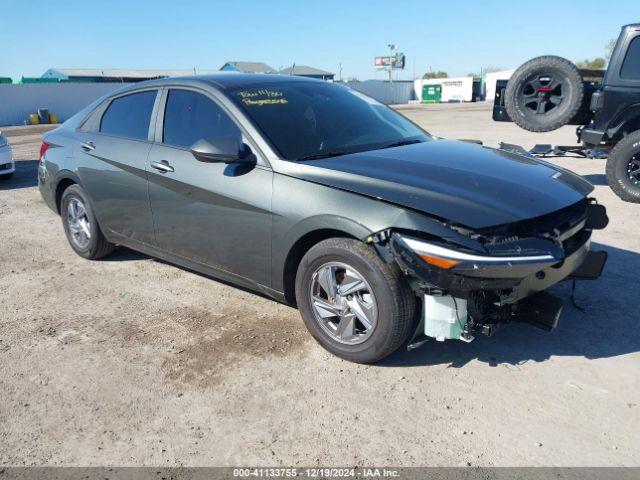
x: 438, y: 74
x: 609, y: 48
x: 595, y: 64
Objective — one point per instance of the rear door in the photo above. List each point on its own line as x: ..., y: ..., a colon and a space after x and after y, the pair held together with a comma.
x: 215, y: 214
x: 113, y: 154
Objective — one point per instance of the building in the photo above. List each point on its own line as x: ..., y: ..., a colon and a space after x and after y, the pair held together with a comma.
x: 247, y: 67
x: 458, y: 89
x: 394, y: 93
x: 100, y: 75
x: 310, y: 72
x: 490, y: 80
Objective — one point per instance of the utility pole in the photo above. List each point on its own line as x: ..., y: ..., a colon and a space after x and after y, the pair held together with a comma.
x: 340, y: 72
x: 392, y: 47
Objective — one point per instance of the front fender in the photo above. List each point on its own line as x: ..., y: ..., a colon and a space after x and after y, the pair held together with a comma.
x: 301, y: 207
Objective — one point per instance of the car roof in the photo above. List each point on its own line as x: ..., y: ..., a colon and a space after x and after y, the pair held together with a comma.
x: 225, y: 80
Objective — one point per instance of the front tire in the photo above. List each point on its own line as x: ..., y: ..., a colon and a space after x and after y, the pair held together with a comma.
x: 623, y: 168
x: 81, y: 226
x: 355, y: 305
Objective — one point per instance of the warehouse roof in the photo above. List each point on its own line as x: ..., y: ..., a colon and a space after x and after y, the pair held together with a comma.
x: 120, y: 73
x: 248, y: 67
x: 304, y: 70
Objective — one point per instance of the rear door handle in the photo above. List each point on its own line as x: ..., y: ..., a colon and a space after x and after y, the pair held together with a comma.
x: 87, y: 147
x: 162, y: 166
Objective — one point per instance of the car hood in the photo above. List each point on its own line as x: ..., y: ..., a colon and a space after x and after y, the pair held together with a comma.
x: 462, y: 182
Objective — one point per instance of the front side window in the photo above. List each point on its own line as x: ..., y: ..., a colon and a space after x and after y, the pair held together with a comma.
x: 129, y: 116
x: 190, y: 116
x: 307, y: 119
x: 631, y: 65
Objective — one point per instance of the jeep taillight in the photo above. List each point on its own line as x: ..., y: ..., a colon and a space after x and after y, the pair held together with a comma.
x: 43, y: 149
x: 597, y: 101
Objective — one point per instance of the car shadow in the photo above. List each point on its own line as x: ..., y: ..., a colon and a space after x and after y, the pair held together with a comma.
x: 25, y: 176
x: 596, y: 179
x: 608, y: 326
x: 124, y: 254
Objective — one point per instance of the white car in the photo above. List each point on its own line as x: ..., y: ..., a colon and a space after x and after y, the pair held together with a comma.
x: 7, y: 165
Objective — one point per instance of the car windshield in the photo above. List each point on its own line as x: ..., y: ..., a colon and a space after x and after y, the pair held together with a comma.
x: 305, y: 120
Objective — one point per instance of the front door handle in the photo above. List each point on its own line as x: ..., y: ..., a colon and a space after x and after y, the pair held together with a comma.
x: 87, y: 147
x: 162, y: 166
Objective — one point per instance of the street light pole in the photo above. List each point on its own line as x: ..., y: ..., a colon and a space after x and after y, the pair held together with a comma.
x: 392, y: 47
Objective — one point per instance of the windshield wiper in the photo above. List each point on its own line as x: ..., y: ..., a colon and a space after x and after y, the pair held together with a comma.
x: 316, y: 156
x: 337, y: 153
x: 401, y: 143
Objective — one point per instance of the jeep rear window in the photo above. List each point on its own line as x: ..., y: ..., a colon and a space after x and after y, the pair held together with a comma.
x: 631, y: 65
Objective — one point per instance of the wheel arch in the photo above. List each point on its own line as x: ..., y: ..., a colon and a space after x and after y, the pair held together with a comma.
x: 64, y: 180
x: 305, y: 238
x: 626, y: 122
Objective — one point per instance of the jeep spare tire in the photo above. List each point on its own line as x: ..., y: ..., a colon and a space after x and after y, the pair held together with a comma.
x: 544, y: 93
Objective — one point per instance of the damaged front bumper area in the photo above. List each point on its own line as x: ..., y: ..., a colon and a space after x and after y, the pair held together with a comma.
x: 502, y: 280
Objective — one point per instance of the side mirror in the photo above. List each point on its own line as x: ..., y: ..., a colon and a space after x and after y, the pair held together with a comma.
x: 223, y: 150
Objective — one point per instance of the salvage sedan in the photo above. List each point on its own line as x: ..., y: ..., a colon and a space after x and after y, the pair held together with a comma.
x: 320, y: 197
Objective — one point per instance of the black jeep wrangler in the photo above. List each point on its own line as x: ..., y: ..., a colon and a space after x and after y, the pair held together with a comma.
x: 548, y: 92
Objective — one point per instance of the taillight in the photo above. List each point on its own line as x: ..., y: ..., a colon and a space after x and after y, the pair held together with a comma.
x: 597, y: 101
x: 43, y: 149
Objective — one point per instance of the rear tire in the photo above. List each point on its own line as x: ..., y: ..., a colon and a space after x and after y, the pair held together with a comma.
x: 544, y: 94
x: 385, y: 288
x: 6, y: 176
x: 623, y: 168
x: 81, y: 226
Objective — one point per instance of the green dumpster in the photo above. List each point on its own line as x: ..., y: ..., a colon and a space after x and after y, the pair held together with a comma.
x: 431, y: 93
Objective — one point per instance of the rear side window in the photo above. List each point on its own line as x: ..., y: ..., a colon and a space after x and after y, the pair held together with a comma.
x: 631, y: 66
x: 191, y: 116
x: 129, y: 116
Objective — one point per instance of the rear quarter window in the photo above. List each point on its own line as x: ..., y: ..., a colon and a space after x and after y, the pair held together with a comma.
x: 631, y: 65
x: 129, y: 116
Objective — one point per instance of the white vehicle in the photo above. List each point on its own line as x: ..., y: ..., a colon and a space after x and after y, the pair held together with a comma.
x: 7, y: 165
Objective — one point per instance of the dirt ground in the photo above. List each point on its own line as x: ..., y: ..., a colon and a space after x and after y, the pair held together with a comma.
x: 131, y: 361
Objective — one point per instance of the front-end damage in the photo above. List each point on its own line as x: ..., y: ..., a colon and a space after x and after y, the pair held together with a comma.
x: 474, y: 281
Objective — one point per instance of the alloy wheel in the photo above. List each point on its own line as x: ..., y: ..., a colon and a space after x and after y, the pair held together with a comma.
x: 633, y: 169
x: 542, y: 94
x: 343, y: 303
x: 79, y: 224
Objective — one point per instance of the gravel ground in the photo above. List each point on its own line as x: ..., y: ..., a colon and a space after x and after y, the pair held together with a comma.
x: 131, y: 361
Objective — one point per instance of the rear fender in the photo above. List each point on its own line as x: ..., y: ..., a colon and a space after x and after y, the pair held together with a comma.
x: 626, y: 122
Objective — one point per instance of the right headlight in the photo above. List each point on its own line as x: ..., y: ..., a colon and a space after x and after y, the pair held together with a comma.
x: 447, y: 258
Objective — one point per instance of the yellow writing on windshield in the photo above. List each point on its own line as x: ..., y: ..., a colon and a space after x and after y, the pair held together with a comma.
x: 262, y: 97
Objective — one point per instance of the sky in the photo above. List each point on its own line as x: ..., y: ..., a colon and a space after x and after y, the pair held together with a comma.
x: 457, y: 36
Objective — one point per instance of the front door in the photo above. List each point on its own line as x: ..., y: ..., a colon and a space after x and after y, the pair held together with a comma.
x: 215, y: 214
